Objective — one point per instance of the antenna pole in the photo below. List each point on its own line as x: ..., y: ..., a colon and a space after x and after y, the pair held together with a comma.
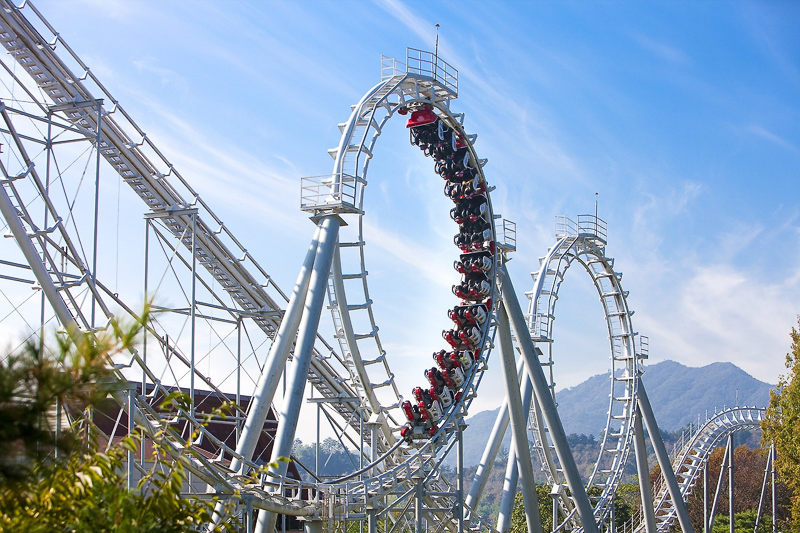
x: 436, y: 53
x: 595, y: 213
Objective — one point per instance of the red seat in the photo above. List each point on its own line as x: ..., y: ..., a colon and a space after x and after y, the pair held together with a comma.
x: 421, y: 117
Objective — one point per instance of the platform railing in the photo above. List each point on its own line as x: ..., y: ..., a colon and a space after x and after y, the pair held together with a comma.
x: 431, y: 65
x: 507, y: 235
x: 391, y: 67
x: 565, y: 227
x: 593, y: 226
x: 330, y: 192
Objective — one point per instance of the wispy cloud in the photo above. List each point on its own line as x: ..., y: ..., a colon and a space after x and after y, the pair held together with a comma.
x: 764, y: 133
x: 166, y: 75
x: 665, y: 52
x: 723, y: 314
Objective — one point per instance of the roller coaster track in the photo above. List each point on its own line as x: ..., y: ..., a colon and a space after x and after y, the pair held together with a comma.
x: 52, y: 104
x: 691, y: 459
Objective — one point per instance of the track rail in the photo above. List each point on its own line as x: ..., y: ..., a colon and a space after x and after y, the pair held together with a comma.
x: 583, y: 243
x: 689, y: 462
x: 402, y: 89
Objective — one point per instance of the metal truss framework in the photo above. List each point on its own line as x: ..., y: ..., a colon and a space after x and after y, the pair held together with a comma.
x: 67, y: 138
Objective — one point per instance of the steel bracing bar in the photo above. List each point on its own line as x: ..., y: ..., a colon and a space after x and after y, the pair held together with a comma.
x: 298, y: 370
x: 519, y: 429
x: 663, y: 458
x: 270, y: 377
x: 547, y: 404
x: 731, y: 521
x: 276, y: 360
x: 643, y: 470
x: 705, y: 495
x: 34, y: 260
x: 491, y: 449
x: 719, y: 487
x: 512, y: 469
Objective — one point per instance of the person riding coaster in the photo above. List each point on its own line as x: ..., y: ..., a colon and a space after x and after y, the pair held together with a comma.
x: 470, y: 210
x: 432, y: 406
x: 468, y: 314
x: 474, y: 262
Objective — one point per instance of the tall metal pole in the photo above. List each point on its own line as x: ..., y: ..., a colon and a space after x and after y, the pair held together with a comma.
x: 705, y: 496
x: 519, y: 430
x: 131, y: 387
x: 663, y: 458
x: 643, y: 469
x: 193, y: 309
x: 96, y: 209
x: 49, y: 150
x: 142, y: 453
x: 460, y: 467
x: 512, y: 469
x: 545, y: 400
x: 298, y: 369
x: 730, y: 483
x: 774, y: 491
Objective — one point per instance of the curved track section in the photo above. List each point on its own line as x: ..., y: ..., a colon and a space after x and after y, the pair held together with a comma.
x: 583, y: 243
x: 422, y: 90
x: 690, y: 461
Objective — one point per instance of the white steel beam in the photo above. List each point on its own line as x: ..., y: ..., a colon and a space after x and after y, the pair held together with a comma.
x: 663, y: 458
x: 548, y: 405
x: 298, y: 369
x: 512, y: 466
x: 643, y: 469
x: 519, y: 430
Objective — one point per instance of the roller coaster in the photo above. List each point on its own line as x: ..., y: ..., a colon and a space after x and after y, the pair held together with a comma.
x: 230, y: 334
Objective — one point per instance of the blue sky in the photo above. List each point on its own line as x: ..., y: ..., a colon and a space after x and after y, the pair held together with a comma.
x: 684, y: 117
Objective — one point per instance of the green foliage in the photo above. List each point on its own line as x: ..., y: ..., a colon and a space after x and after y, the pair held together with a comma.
x: 624, y: 506
x: 782, y: 426
x: 82, y: 488
x: 34, y: 380
x: 334, y: 460
x: 518, y: 522
x: 744, y: 522
x: 88, y: 492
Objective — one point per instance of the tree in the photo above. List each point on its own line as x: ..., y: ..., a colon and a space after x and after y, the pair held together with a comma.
x: 81, y: 488
x: 782, y: 426
x: 34, y: 380
x: 624, y: 505
x: 748, y: 476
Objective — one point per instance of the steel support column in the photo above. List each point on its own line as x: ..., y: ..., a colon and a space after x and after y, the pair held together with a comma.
x: 548, y: 405
x: 663, y: 458
x: 276, y: 360
x: 298, y: 369
x: 705, y: 496
x: 512, y: 466
x: 643, y: 470
x: 730, y: 484
x: 491, y: 449
x: 774, y: 491
x: 460, y: 480
x: 519, y: 430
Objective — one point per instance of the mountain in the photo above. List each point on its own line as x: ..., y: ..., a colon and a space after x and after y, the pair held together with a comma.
x: 677, y: 393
